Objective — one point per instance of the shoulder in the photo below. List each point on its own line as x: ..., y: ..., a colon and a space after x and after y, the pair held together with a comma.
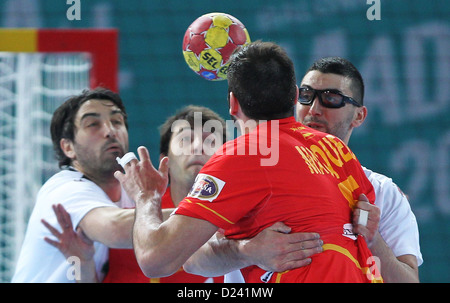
x: 389, y: 197
x: 71, y: 189
x: 67, y: 178
x: 377, y: 178
x: 383, y: 185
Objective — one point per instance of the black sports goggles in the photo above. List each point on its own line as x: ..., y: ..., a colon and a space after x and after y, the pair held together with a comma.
x: 328, y: 98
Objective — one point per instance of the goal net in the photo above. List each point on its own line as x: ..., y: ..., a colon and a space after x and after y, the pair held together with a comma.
x: 32, y: 86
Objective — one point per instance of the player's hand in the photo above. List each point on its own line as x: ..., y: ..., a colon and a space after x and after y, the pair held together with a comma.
x: 370, y: 229
x: 143, y: 181
x: 275, y: 249
x: 69, y: 242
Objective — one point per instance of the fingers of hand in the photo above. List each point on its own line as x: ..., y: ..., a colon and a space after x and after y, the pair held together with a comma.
x: 363, y: 217
x: 280, y: 227
x: 300, y: 254
x: 143, y: 153
x: 371, y: 212
x: 363, y: 197
x: 119, y: 175
x: 52, y: 242
x: 53, y: 230
x: 300, y: 237
x: 164, y: 166
x: 127, y: 160
x: 308, y: 247
x: 63, y: 217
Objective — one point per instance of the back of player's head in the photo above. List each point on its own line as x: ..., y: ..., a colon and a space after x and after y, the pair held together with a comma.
x: 342, y: 67
x: 187, y: 113
x: 262, y: 78
x: 63, y: 120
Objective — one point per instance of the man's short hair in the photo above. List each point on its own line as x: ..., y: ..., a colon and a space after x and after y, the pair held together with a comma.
x: 343, y: 67
x: 262, y: 78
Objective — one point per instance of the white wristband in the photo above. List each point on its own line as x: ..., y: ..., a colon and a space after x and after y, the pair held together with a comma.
x: 126, y: 158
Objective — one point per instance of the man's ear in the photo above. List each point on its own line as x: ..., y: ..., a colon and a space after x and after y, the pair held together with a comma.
x: 234, y: 105
x: 67, y: 148
x: 360, y: 116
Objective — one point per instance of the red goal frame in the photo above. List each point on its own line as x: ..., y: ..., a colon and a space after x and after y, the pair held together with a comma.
x: 101, y: 44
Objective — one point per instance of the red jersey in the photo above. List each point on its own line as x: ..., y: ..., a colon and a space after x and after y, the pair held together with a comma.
x: 124, y: 268
x: 285, y: 171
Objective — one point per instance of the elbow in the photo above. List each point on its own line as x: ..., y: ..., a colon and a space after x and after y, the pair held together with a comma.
x: 154, y: 265
x: 190, y: 267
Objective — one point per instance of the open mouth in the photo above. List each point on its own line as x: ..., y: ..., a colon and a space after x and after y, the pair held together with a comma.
x: 114, y: 148
x: 315, y: 125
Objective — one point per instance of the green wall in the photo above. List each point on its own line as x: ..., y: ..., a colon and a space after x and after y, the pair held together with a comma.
x: 404, y: 59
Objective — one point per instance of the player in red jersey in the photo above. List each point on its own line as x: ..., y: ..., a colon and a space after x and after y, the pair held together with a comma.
x: 310, y: 183
x: 187, y: 160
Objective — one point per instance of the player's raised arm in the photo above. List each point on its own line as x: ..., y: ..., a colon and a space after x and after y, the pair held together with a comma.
x: 161, y: 248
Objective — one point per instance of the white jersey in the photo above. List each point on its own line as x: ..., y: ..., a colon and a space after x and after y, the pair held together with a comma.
x: 398, y: 226
x: 41, y: 262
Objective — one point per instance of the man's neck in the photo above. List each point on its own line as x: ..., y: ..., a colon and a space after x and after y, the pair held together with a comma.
x: 178, y: 191
x: 112, y: 189
x: 247, y: 124
x: 109, y: 184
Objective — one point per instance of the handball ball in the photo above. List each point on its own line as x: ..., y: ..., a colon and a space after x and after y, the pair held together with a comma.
x: 209, y: 42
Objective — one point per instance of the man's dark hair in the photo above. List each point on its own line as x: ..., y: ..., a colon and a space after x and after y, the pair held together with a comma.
x: 343, y: 67
x: 187, y: 113
x: 262, y: 78
x: 63, y: 120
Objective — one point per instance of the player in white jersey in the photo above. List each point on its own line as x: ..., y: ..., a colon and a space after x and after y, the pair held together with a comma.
x: 88, y: 132
x: 396, y: 242
x: 41, y: 262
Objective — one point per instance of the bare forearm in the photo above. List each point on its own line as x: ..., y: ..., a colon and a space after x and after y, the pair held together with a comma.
x: 217, y: 257
x: 110, y: 226
x: 161, y: 248
x: 146, y: 234
x: 392, y: 269
x: 147, y: 221
x: 122, y: 227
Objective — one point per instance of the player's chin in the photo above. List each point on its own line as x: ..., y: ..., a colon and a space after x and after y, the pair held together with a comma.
x: 110, y: 160
x: 194, y: 169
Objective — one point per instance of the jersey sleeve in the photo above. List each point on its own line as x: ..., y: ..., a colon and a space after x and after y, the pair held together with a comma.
x: 226, y: 189
x: 80, y: 197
